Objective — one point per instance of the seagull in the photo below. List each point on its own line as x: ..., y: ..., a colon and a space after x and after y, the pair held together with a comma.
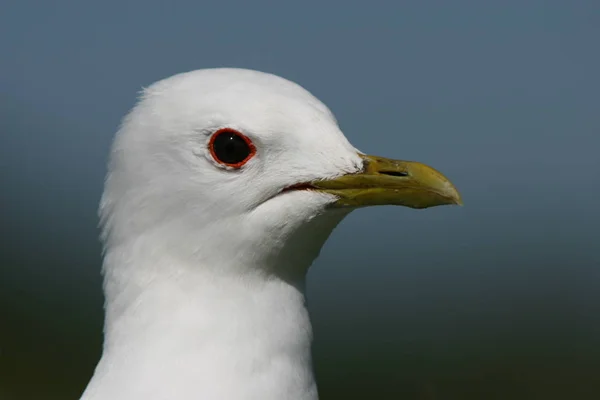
x: 222, y: 187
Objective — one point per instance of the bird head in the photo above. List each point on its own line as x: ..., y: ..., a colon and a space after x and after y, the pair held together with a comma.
x: 249, y: 165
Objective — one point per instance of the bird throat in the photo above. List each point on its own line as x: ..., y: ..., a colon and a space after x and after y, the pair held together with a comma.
x: 171, y: 333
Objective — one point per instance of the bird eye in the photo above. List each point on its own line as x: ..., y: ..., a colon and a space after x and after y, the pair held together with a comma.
x: 231, y: 148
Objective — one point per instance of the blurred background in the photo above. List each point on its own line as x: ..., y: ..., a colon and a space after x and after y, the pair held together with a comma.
x: 498, y: 299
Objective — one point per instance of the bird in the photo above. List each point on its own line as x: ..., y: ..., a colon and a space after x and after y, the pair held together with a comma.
x: 222, y: 186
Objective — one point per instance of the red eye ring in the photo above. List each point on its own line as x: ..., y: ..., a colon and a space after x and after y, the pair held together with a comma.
x: 231, y: 148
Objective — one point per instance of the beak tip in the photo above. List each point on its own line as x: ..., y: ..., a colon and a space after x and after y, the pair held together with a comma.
x: 452, y: 194
x: 457, y: 198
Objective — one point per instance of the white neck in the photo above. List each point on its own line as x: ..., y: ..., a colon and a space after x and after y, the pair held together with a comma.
x: 215, y: 339
x: 177, y: 330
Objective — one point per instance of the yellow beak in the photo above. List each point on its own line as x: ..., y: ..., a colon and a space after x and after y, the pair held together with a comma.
x: 391, y: 182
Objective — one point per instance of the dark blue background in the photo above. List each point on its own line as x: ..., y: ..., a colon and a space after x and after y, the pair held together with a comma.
x: 498, y: 299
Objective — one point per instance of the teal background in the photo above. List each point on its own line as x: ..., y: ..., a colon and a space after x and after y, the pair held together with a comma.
x: 498, y: 299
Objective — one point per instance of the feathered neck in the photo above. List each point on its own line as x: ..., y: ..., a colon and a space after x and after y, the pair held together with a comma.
x: 177, y: 328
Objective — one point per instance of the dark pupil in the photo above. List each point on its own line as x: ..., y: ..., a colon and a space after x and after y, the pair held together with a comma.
x: 230, y: 148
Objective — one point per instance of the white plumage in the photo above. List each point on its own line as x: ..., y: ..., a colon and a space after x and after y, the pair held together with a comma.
x: 205, y: 264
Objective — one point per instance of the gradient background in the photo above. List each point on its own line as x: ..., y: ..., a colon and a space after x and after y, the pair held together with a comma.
x: 498, y: 299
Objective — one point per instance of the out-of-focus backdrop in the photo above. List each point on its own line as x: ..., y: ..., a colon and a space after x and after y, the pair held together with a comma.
x: 499, y: 299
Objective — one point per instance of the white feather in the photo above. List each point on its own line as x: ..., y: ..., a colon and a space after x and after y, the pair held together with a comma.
x: 204, y: 266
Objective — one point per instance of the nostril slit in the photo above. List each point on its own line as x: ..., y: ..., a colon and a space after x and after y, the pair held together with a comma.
x: 394, y: 173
